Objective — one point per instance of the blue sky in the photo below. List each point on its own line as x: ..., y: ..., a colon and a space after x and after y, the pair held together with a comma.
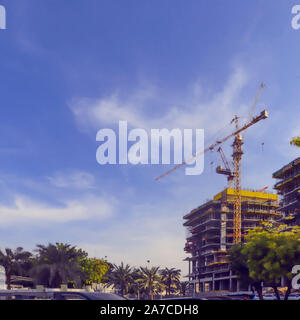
x: 70, y: 68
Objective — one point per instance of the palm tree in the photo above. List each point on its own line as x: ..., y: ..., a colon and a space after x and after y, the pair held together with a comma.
x: 12, y: 261
x: 150, y: 280
x: 135, y: 287
x: 57, y: 264
x: 295, y: 141
x: 183, y: 287
x: 121, y: 277
x: 170, y: 277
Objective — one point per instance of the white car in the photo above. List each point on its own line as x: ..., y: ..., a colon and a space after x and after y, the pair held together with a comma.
x: 273, y: 297
x: 294, y: 297
x: 266, y: 297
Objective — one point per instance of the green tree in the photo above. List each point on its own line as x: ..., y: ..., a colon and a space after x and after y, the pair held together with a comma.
x: 94, y: 269
x: 150, y: 280
x: 13, y: 262
x: 170, y: 278
x: 120, y: 277
x: 270, y: 252
x: 58, y: 264
x: 239, y: 265
x: 295, y: 141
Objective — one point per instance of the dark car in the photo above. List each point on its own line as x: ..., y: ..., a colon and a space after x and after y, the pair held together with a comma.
x: 69, y: 295
x: 185, y: 298
x: 56, y: 295
x: 24, y: 295
x: 219, y: 298
x: 241, y: 296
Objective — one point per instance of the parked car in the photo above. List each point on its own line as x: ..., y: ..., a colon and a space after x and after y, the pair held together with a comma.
x: 266, y: 297
x: 24, y: 295
x: 242, y: 296
x: 294, y: 297
x: 69, y: 295
x: 185, y: 298
x: 56, y: 295
x: 219, y: 298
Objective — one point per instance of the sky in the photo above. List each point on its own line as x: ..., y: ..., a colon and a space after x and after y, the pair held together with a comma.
x: 70, y: 68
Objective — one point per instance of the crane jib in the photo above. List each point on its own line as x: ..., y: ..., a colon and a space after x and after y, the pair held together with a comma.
x: 263, y: 115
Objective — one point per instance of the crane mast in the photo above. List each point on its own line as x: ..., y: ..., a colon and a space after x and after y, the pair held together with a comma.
x: 237, y: 211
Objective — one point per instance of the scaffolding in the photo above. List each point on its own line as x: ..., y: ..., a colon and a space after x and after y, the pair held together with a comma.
x: 210, y: 234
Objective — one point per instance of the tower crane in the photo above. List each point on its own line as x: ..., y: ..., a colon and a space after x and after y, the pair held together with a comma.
x: 237, y: 156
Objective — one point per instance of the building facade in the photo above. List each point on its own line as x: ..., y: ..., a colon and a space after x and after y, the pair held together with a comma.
x: 210, y: 235
x: 288, y: 187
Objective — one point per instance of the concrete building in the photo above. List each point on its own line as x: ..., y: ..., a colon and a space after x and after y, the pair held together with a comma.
x: 210, y: 234
x: 288, y: 187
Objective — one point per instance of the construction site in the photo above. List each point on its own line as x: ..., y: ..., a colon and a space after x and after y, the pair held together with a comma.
x: 210, y: 233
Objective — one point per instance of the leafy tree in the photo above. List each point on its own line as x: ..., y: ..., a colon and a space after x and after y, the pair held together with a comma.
x: 94, y: 269
x: 150, y: 280
x: 280, y: 252
x: 170, y: 277
x: 120, y: 277
x: 295, y: 142
x: 13, y: 262
x: 239, y: 265
x: 270, y: 252
x: 58, y: 264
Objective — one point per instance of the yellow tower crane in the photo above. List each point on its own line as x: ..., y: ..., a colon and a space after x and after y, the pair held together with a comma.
x: 237, y: 156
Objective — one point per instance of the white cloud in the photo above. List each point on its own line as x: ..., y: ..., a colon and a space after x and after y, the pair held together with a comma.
x: 26, y: 211
x: 193, y: 111
x: 76, y: 179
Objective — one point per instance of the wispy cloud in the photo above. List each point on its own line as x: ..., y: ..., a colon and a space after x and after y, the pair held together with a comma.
x: 27, y: 211
x: 75, y: 179
x: 193, y: 110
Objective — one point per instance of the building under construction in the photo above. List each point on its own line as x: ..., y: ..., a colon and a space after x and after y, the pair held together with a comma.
x: 210, y: 235
x: 288, y: 188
